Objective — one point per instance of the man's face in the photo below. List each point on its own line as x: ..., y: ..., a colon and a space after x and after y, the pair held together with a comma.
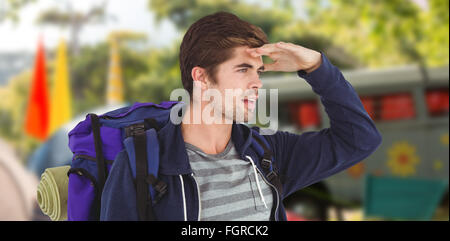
x: 239, y: 76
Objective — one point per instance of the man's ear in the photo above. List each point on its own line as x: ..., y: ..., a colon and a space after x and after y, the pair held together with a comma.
x: 199, y: 74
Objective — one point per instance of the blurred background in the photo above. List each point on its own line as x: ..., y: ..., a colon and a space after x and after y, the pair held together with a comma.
x: 61, y: 59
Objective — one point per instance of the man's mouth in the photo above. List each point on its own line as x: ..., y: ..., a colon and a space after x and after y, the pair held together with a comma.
x: 250, y: 103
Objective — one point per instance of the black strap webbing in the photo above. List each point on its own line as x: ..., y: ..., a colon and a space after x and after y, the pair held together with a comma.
x: 151, y: 123
x: 142, y: 194
x: 273, y: 175
x: 267, y: 152
x: 159, y: 186
x: 100, y: 159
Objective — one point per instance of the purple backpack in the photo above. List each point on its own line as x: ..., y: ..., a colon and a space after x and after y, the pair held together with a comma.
x: 97, y: 140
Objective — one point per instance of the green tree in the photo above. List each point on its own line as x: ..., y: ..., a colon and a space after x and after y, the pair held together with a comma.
x: 163, y: 76
x: 385, y: 33
x: 74, y: 20
x: 276, y: 18
x: 185, y: 12
x: 12, y: 109
x: 90, y: 72
x: 9, y: 9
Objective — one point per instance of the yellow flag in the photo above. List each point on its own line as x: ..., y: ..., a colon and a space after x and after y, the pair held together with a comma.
x: 60, y: 105
x: 114, y: 93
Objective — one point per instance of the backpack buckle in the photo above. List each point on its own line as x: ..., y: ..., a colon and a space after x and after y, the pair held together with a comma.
x: 136, y: 129
x: 271, y: 175
x: 159, y: 186
x: 266, y: 163
x: 161, y: 189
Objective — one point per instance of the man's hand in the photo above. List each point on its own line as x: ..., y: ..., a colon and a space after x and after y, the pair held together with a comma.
x: 288, y: 57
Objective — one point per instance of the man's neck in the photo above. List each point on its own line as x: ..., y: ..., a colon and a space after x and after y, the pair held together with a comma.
x: 210, y: 138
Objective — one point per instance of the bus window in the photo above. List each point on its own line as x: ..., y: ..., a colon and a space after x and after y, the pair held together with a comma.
x: 437, y: 101
x: 369, y: 104
x: 305, y: 114
x: 397, y: 107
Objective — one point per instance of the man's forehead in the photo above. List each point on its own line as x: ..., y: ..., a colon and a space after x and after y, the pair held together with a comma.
x: 240, y: 55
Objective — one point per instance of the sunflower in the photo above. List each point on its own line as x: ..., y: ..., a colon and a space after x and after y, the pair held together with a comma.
x: 356, y: 171
x: 402, y: 159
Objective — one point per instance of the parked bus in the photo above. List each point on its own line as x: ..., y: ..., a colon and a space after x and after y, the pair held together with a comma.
x: 409, y: 107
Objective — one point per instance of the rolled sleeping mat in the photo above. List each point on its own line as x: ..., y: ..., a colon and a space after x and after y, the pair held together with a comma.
x: 52, y: 192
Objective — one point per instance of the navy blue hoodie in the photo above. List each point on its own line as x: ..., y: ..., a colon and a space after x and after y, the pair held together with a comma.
x: 302, y: 160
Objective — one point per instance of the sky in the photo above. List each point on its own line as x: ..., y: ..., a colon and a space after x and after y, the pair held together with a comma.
x: 135, y: 16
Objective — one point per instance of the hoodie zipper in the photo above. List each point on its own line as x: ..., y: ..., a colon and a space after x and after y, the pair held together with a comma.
x: 198, y: 194
x: 270, y: 184
x: 278, y: 196
x: 257, y: 181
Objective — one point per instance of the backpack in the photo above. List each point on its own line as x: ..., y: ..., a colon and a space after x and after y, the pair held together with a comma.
x: 96, y: 141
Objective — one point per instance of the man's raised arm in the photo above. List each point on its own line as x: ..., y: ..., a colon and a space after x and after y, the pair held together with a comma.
x: 312, y: 156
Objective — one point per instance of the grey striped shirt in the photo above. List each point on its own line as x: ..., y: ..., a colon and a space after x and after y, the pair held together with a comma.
x: 228, y: 188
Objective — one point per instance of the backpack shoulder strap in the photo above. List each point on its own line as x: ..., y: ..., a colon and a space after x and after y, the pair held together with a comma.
x: 100, y: 159
x: 267, y: 161
x: 142, y: 146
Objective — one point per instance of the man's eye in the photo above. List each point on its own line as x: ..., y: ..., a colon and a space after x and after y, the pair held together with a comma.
x: 259, y: 72
x: 242, y: 70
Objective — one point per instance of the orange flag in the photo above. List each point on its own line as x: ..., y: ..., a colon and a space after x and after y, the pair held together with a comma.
x: 37, y: 115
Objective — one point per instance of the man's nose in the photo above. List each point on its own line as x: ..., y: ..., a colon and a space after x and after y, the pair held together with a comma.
x: 256, y: 82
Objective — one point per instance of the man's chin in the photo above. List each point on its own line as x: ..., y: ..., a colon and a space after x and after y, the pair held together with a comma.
x: 248, y: 116
x: 240, y: 117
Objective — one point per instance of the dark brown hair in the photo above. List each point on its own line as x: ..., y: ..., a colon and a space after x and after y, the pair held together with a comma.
x: 210, y: 42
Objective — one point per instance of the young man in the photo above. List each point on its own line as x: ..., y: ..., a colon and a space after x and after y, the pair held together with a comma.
x: 212, y: 169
